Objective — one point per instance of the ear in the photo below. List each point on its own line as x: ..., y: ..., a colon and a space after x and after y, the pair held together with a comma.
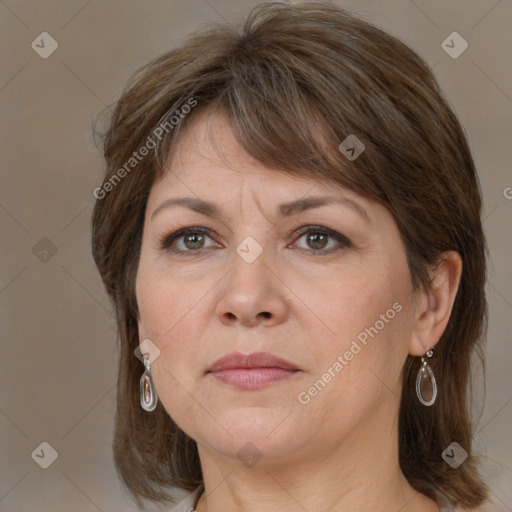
x: 434, y: 306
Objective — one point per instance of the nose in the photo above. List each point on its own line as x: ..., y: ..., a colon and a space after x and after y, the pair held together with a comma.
x: 252, y: 294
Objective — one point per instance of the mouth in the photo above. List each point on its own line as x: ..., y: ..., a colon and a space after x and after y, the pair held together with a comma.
x: 252, y: 371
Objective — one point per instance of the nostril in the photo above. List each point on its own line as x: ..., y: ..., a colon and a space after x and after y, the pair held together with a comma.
x: 232, y: 316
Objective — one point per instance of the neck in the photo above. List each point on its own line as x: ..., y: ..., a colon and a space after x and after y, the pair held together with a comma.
x: 361, y: 473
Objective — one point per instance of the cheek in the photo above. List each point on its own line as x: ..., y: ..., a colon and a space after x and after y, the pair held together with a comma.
x: 165, y: 321
x: 172, y: 315
x: 359, y: 371
x: 166, y: 301
x: 353, y: 301
x: 364, y: 329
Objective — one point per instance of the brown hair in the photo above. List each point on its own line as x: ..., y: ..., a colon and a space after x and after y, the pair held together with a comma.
x: 296, y: 80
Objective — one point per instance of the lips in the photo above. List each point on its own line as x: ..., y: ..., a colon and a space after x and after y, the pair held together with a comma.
x: 255, y: 360
x: 252, y: 371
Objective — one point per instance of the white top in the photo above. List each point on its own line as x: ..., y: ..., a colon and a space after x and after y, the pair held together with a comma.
x: 187, y: 504
x: 445, y: 505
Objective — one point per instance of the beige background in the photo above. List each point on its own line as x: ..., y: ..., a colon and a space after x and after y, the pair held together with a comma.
x: 58, y: 353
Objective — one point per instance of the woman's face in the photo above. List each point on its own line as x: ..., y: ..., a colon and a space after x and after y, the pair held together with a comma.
x: 324, y: 287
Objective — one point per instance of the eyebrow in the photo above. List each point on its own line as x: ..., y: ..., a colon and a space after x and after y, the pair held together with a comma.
x: 210, y: 209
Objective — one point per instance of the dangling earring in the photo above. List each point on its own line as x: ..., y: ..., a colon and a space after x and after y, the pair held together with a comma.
x: 148, y: 398
x: 424, y: 372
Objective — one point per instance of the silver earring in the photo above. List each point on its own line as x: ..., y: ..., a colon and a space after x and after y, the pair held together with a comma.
x: 148, y: 398
x: 425, y: 372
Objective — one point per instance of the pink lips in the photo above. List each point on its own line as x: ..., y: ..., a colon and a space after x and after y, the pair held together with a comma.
x: 252, y: 371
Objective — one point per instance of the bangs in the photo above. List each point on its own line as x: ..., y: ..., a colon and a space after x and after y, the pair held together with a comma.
x: 288, y: 116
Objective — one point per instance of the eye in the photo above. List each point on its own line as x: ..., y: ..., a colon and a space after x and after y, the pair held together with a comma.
x: 186, y: 240
x: 317, y: 239
x: 192, y: 240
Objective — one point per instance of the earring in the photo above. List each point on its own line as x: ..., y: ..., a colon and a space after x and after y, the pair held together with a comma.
x: 424, y: 372
x: 148, y: 398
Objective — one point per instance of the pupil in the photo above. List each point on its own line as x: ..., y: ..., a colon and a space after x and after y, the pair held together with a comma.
x: 317, y: 240
x: 193, y: 240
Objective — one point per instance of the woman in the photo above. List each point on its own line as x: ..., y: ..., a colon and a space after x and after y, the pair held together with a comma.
x: 289, y: 229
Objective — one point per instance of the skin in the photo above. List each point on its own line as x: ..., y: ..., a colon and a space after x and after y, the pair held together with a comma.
x: 340, y: 450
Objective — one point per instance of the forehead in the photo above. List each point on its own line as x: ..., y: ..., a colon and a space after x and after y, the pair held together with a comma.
x: 209, y: 142
x: 208, y: 157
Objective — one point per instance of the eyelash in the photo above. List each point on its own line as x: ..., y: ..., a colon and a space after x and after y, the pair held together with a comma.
x: 167, y: 240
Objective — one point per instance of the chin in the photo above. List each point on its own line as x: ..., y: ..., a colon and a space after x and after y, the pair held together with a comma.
x: 269, y: 433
